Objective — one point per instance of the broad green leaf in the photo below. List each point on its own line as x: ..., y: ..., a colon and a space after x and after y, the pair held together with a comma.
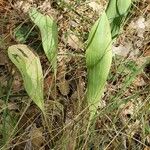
x: 98, y: 60
x: 30, y: 68
x: 49, y: 34
x: 116, y: 13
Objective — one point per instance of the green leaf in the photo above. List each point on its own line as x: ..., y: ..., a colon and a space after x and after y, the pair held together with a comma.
x: 116, y: 13
x: 30, y: 68
x: 98, y: 61
x: 123, y: 6
x: 49, y: 34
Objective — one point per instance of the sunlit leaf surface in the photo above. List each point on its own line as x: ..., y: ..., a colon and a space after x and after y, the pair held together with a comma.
x: 98, y: 60
x: 49, y: 34
x: 30, y: 68
x: 116, y: 13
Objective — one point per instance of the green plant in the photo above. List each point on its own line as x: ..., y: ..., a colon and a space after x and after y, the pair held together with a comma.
x: 68, y: 128
x: 49, y: 34
x: 116, y: 12
x: 30, y: 68
x: 98, y: 52
x: 29, y: 64
x: 98, y: 61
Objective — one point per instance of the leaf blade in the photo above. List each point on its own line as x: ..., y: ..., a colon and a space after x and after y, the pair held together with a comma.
x: 49, y: 34
x: 30, y: 68
x: 116, y: 12
x: 98, y: 60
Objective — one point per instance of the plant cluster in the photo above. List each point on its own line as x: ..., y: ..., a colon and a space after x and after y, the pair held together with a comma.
x: 98, y: 54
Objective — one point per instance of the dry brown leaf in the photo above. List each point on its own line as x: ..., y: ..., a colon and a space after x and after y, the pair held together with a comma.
x: 3, y: 58
x: 146, y: 148
x: 134, y: 127
x: 47, y: 83
x: 46, y: 5
x: 64, y: 87
x: 139, y: 81
x: 36, y: 136
x: 127, y: 110
x: 23, y: 5
x: 53, y: 108
x: 139, y: 25
x: 74, y: 42
x: 121, y: 50
x: 140, y: 61
x: 12, y: 106
x: 148, y: 139
x: 74, y: 96
x: 95, y: 6
x: 17, y: 84
x: 147, y: 53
